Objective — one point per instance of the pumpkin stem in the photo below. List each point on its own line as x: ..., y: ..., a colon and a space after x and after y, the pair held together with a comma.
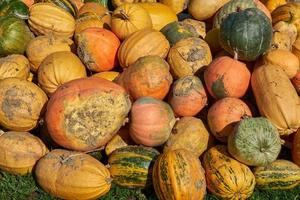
x: 235, y: 55
x: 126, y: 120
x: 122, y: 15
x: 245, y: 116
x: 109, y: 180
x: 1, y: 132
x: 282, y: 142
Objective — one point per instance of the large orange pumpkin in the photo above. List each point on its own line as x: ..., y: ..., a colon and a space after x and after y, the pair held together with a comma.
x: 97, y: 48
x: 296, y: 148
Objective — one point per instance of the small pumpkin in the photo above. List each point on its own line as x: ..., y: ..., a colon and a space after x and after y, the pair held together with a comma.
x: 110, y: 75
x: 96, y: 9
x: 14, y: 65
x: 296, y: 81
x: 296, y: 148
x: 67, y: 5
x: 14, y: 7
x: 151, y: 121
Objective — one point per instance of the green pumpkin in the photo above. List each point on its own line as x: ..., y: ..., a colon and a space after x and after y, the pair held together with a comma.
x: 102, y: 2
x: 67, y: 5
x: 254, y: 142
x: 246, y: 34
x: 14, y: 35
x: 14, y: 7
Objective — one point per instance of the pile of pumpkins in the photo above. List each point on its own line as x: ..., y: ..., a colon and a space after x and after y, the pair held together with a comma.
x: 187, y: 96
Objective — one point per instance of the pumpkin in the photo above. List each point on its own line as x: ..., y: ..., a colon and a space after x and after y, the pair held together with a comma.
x: 121, y: 139
x: 148, y: 76
x: 187, y: 96
x: 221, y: 80
x: 19, y: 151
x: 226, y: 177
x: 59, y: 22
x: 280, y: 41
x: 102, y: 2
x: 224, y: 114
x: 296, y: 81
x: 199, y: 26
x: 188, y: 133
x: 203, y: 9
x: 273, y: 4
x: 59, y: 68
x: 14, y: 65
x: 88, y: 20
x: 142, y: 43
x: 97, y: 48
x: 110, y: 75
x: 151, y: 121
x: 278, y: 175
x: 289, y: 29
x: 160, y: 14
x: 188, y: 56
x: 284, y: 59
x: 15, y: 35
x: 296, y: 148
x: 254, y: 142
x: 14, y: 7
x: 276, y: 98
x: 96, y: 9
x: 67, y: 5
x: 131, y: 166
x: 178, y: 174
x: 128, y: 18
x: 117, y: 3
x: 80, y: 175
x: 22, y: 104
x: 296, y: 47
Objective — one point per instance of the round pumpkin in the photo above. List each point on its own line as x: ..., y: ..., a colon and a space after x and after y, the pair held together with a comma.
x: 72, y: 175
x: 254, y: 142
x: 188, y: 56
x: 223, y: 115
x: 142, y: 43
x: 97, y: 48
x: 84, y: 114
x: 187, y: 96
x: 188, y: 133
x: 19, y: 151
x: 151, y: 121
x: 110, y: 75
x: 221, y: 78
x: 178, y: 174
x: 96, y: 9
x: 14, y: 65
x: 88, y: 20
x: 59, y: 68
x: 296, y: 148
x: 296, y: 81
x: 128, y: 18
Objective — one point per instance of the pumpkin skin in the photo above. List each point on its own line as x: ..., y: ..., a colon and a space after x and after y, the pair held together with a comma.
x: 221, y: 80
x: 263, y: 8
x: 110, y: 75
x: 79, y: 112
x: 80, y: 175
x: 276, y: 98
x: 289, y: 29
x: 67, y: 5
x: 88, y: 20
x: 199, y: 26
x: 226, y: 177
x: 188, y: 56
x: 296, y: 82
x: 121, y: 139
x: 154, y: 128
x: 223, y: 115
x: 177, y: 5
x: 178, y: 174
x: 187, y: 97
x: 117, y: 3
x: 19, y: 157
x: 131, y: 166
x: 142, y: 43
x: 128, y: 18
x: 97, y: 48
x: 15, y: 35
x: 188, y: 133
x: 273, y: 4
x: 59, y: 68
x: 296, y: 48
x: 212, y: 39
x: 296, y: 148
x: 235, y: 39
x: 16, y: 8
x: 29, y: 3
x: 14, y: 65
x: 97, y: 9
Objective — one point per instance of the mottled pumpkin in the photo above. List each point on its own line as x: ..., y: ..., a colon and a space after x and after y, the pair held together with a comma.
x: 199, y: 26
x: 14, y: 65
x: 296, y: 148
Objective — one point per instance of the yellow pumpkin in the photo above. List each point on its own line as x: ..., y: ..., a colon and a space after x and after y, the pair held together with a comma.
x: 110, y: 75
x: 273, y: 4
x: 177, y: 5
x: 14, y: 65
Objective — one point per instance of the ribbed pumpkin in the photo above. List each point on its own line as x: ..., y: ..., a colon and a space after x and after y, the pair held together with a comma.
x: 88, y: 20
x: 188, y: 96
x: 19, y: 151
x: 121, y: 139
x: 59, y: 68
x: 97, y: 9
x: 110, y: 75
x: 188, y: 133
x: 14, y: 65
x: 67, y: 5
x: 224, y: 114
x: 296, y: 148
x: 221, y: 78
x: 151, y: 121
x: 254, y: 142
x: 22, y: 104
x: 187, y: 56
x: 279, y: 175
x: 131, y: 166
x: 276, y: 98
x: 142, y: 43
x: 226, y: 177
x: 148, y: 76
x: 97, y: 48
x: 296, y: 82
x: 129, y: 18
x: 72, y: 175
x: 273, y: 4
x: 47, y: 18
x: 86, y: 113
x: 16, y: 8
x: 40, y: 47
x: 178, y: 174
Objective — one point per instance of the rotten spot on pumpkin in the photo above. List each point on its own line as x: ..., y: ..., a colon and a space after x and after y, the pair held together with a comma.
x: 195, y: 54
x: 218, y: 88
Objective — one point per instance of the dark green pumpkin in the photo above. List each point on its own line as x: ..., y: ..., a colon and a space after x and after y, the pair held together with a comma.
x: 14, y: 7
x: 247, y: 34
x: 67, y: 5
x: 14, y: 35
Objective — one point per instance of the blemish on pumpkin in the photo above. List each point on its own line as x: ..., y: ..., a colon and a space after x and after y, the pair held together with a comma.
x: 218, y: 88
x: 195, y: 54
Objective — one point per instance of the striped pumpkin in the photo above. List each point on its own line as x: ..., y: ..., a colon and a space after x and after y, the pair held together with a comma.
x: 279, y: 175
x: 67, y: 5
x: 131, y: 166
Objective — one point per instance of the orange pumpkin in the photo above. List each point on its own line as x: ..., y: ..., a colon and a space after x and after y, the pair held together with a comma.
x: 227, y: 77
x: 97, y: 9
x: 296, y: 82
x: 97, y: 48
x: 296, y: 148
